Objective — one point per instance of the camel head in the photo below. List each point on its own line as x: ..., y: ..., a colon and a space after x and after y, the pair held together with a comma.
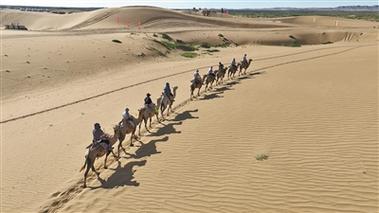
x: 174, y: 90
x: 140, y: 115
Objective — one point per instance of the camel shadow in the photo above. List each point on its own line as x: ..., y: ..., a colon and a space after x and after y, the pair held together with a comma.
x: 147, y: 149
x: 244, y: 77
x: 167, y: 129
x: 232, y: 83
x: 257, y: 73
x: 211, y: 96
x: 185, y: 115
x: 223, y: 89
x: 123, y: 176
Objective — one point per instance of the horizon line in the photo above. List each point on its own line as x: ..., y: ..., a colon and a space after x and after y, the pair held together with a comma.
x: 289, y: 7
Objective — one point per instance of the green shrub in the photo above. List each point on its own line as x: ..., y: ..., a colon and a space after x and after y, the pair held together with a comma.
x: 185, y: 47
x: 296, y: 43
x: 213, y: 50
x: 189, y: 54
x: 205, y: 45
x: 167, y: 37
x: 223, y: 45
x: 261, y: 157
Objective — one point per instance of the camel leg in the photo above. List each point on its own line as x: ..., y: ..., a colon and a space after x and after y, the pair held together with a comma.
x: 114, y: 155
x: 86, y: 173
x: 192, y: 89
x: 105, y: 160
x: 170, y: 108
x: 139, y: 128
x: 131, y: 140
x: 156, y: 115
x: 118, y: 148
x: 94, y: 170
x: 131, y: 137
x: 145, y: 121
x: 150, y: 122
x: 162, y: 110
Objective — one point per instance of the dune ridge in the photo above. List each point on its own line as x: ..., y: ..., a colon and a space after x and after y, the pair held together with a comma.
x: 119, y: 18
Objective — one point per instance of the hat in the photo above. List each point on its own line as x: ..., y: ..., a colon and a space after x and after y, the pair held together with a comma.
x: 148, y: 94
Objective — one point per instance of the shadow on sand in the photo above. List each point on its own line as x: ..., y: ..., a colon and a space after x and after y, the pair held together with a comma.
x: 147, y: 149
x: 123, y: 175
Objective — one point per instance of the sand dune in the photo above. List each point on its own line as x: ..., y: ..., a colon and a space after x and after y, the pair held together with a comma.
x: 325, y: 21
x: 203, y: 159
x: 311, y: 109
x: 116, y: 18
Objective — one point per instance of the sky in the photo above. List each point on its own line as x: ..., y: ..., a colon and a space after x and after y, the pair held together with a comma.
x: 231, y: 4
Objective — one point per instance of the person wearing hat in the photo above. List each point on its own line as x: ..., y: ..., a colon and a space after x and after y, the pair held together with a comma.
x: 100, y: 137
x: 233, y: 64
x: 97, y: 133
x: 126, y: 116
x: 220, y: 67
x: 148, y: 101
x: 244, y: 60
x: 167, y: 92
x: 210, y: 71
x: 197, y: 77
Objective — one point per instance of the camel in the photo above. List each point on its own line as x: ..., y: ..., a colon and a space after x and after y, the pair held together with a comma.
x: 232, y: 70
x: 164, y: 102
x: 209, y: 81
x: 129, y: 128
x: 220, y: 74
x: 148, y: 114
x: 96, y: 151
x: 197, y: 85
x: 244, y: 65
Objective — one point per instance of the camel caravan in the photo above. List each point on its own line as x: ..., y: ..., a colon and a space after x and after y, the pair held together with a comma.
x: 102, y: 143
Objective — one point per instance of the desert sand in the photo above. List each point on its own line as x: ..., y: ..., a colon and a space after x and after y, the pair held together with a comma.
x: 311, y: 110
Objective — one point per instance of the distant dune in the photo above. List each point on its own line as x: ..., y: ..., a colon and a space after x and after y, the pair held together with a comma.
x: 114, y: 18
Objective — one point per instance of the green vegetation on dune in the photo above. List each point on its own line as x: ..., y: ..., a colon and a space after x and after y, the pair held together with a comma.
x: 261, y: 157
x: 365, y: 15
x: 189, y: 54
